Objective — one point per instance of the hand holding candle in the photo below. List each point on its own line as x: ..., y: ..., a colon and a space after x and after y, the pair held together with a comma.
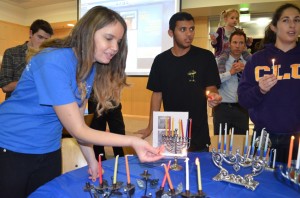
x: 115, y: 170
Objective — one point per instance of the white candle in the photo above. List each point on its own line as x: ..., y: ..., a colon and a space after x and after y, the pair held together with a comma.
x: 246, y: 143
x: 197, y: 162
x: 187, y: 175
x: 220, y: 135
x: 274, y: 159
x: 298, y: 156
x: 115, y: 170
x: 225, y: 136
x: 231, y: 139
x: 266, y: 145
x: 273, y: 62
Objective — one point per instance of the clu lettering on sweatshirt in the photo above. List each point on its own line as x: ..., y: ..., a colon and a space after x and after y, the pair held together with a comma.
x: 294, y: 73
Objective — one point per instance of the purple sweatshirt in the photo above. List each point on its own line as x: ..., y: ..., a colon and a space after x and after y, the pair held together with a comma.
x: 278, y: 110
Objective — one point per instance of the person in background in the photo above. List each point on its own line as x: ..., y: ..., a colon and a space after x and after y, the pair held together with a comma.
x: 52, y: 93
x: 231, y: 65
x: 180, y: 77
x: 269, y: 87
x: 14, y: 59
x: 114, y: 119
x: 220, y: 39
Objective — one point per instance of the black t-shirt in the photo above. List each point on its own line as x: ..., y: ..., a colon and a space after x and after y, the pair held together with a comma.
x: 182, y: 81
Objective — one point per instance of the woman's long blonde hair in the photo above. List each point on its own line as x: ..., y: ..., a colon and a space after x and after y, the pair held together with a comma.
x: 109, y: 78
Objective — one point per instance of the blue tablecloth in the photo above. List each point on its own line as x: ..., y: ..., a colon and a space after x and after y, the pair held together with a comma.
x: 72, y: 184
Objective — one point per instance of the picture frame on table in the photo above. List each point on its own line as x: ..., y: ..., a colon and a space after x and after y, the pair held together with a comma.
x: 170, y: 127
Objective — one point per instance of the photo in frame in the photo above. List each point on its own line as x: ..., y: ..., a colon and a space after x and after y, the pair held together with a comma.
x: 171, y: 129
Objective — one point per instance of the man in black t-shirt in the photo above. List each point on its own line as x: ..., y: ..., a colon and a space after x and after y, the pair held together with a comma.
x: 180, y: 77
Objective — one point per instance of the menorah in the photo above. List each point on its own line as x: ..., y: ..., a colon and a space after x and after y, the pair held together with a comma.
x: 176, y: 145
x: 291, y: 172
x: 257, y: 161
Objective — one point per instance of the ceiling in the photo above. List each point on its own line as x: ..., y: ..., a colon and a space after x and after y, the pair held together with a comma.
x: 27, y: 4
x: 212, y: 11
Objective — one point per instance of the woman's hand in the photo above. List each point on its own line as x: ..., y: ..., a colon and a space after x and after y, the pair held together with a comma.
x: 266, y: 83
x: 145, y: 151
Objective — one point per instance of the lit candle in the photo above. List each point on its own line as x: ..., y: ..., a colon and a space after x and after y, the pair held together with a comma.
x: 260, y: 141
x: 225, y: 136
x: 100, y: 169
x: 291, y: 151
x: 266, y: 145
x: 127, y: 168
x: 187, y: 175
x: 207, y: 94
x: 231, y: 139
x: 168, y: 177
x: 253, y: 143
x: 246, y: 143
x: 115, y: 170
x: 190, y: 130
x: 273, y: 62
x: 220, y: 136
x: 197, y: 162
x: 298, y: 156
x: 274, y: 159
x: 165, y: 177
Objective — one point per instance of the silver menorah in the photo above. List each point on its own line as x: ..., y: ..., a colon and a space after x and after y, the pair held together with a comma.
x: 177, y: 146
x: 258, y: 162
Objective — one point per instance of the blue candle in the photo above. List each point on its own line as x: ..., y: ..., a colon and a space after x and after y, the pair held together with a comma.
x: 260, y: 141
x: 220, y: 134
x: 266, y: 145
x: 253, y: 142
x: 231, y: 139
x: 246, y: 143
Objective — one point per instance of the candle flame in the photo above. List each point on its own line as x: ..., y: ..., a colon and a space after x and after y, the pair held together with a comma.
x: 207, y: 92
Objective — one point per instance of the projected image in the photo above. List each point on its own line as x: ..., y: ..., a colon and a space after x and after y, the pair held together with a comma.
x: 148, y: 24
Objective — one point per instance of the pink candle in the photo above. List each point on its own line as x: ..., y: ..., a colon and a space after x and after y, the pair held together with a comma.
x: 100, y: 169
x: 165, y: 177
x: 168, y: 177
x: 291, y: 151
x: 127, y: 169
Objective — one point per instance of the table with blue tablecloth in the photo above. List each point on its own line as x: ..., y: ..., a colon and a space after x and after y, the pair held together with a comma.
x: 72, y: 184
